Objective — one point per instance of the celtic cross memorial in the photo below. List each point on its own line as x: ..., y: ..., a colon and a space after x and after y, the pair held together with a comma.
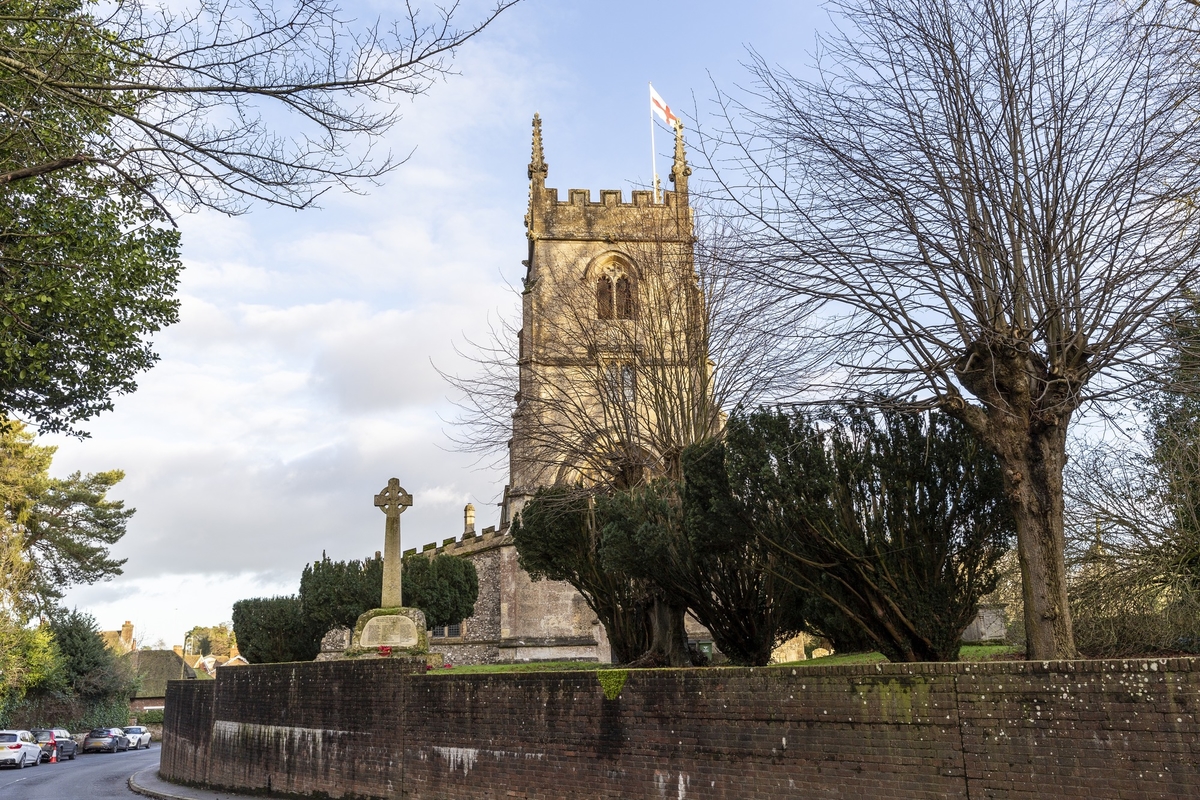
x: 392, y: 501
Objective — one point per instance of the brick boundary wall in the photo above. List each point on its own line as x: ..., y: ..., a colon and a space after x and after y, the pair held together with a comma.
x: 370, y: 729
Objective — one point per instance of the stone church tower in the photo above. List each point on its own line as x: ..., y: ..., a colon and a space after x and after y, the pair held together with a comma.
x: 613, y: 369
x: 614, y: 380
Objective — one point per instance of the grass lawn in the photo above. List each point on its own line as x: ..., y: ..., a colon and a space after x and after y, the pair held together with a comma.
x: 990, y: 652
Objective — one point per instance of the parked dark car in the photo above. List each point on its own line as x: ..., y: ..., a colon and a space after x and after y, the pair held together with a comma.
x: 56, y: 739
x: 110, y: 739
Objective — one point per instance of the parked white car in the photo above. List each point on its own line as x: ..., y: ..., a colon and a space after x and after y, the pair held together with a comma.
x: 19, y: 749
x: 139, y: 737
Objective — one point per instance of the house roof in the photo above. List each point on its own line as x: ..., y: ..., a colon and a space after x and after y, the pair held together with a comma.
x: 155, y: 668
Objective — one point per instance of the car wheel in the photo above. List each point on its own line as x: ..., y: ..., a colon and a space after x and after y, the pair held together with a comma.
x: 73, y: 753
x: 22, y: 764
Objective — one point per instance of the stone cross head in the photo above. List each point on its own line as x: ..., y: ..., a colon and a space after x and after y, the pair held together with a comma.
x: 393, y: 499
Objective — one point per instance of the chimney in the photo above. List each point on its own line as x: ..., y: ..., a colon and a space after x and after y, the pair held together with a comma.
x: 127, y: 636
x: 469, y: 519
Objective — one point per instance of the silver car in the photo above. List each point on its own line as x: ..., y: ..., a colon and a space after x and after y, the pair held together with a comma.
x: 19, y: 749
x: 101, y: 739
x: 138, y: 736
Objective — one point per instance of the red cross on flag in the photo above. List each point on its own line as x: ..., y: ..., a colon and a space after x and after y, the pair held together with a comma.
x: 660, y: 107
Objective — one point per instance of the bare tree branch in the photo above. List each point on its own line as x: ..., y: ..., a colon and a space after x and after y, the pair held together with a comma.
x: 221, y: 103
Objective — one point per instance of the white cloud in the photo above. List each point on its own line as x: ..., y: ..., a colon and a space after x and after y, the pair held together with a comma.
x: 299, y: 378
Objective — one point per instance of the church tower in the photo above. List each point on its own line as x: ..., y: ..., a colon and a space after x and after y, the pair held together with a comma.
x: 614, y: 382
x: 613, y: 365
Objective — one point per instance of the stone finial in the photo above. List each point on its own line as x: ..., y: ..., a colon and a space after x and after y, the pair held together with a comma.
x: 680, y: 169
x: 538, y: 169
x: 469, y: 519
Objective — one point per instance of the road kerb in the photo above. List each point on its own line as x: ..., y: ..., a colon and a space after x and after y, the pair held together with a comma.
x: 147, y: 783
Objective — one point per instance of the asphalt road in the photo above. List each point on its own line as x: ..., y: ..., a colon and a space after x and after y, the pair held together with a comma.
x: 95, y: 776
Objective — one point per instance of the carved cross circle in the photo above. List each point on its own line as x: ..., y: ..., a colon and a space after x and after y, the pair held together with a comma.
x: 393, y: 499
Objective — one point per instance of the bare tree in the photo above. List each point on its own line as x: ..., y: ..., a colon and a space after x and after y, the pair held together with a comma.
x: 635, y: 359
x: 218, y: 104
x: 1133, y: 517
x: 991, y: 201
x: 1133, y: 548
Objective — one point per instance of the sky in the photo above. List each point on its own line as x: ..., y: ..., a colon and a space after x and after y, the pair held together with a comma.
x: 304, y: 370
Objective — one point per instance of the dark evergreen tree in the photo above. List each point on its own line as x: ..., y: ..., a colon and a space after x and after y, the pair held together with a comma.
x: 895, y: 519
x: 70, y: 530
x: 557, y: 538
x: 89, y: 667
x: 704, y: 558
x: 445, y: 587
x: 334, y: 593
x: 1174, y: 415
x: 272, y: 629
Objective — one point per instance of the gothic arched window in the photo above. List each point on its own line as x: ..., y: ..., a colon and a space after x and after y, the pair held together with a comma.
x: 624, y: 298
x: 604, y: 298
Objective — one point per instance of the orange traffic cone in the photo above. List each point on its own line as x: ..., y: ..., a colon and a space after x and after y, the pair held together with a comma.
x: 54, y: 755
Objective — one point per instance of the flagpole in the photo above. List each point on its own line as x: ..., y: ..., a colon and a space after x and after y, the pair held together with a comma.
x: 653, y: 149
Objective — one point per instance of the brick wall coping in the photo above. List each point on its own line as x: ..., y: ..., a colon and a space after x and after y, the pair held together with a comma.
x: 1078, y: 666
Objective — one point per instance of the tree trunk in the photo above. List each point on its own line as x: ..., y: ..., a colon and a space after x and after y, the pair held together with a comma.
x: 1033, y: 457
x: 668, y: 639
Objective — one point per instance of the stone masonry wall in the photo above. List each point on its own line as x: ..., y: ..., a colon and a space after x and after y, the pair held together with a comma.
x: 1076, y: 729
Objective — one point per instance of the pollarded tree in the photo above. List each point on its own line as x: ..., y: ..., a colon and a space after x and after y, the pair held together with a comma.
x: 994, y: 204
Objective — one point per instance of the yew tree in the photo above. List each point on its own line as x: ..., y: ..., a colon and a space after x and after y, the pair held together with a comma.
x: 994, y: 206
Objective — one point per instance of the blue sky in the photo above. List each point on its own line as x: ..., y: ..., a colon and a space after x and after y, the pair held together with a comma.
x: 301, y: 375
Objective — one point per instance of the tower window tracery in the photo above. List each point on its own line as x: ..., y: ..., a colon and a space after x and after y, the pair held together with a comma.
x: 624, y: 298
x: 614, y: 297
x: 604, y: 298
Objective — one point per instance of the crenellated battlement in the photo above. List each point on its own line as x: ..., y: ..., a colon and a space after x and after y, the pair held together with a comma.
x: 579, y: 217
x: 469, y: 544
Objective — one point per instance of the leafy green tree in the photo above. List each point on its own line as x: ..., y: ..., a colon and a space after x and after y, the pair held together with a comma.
x: 445, y: 587
x: 558, y: 538
x: 217, y: 640
x: 895, y: 519
x: 88, y: 266
x: 30, y: 661
x: 273, y: 629
x: 108, y: 109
